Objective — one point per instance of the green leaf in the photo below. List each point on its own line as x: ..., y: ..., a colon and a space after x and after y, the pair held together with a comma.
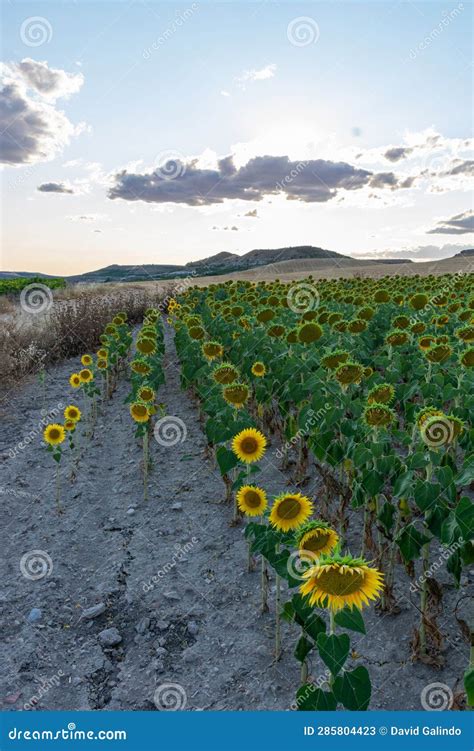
x: 372, y: 482
x: 464, y: 513
x: 466, y: 476
x: 350, y: 618
x: 226, y: 459
x: 403, y: 484
x: 309, y: 698
x: 426, y: 494
x: 333, y: 650
x: 353, y: 689
x: 410, y: 541
x: 469, y: 686
x: 298, y: 611
x: 303, y: 648
x: 386, y: 515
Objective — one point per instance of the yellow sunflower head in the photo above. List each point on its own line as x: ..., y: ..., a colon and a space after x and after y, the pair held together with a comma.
x: 309, y: 332
x: 467, y: 358
x: 146, y: 346
x: 72, y: 413
x: 397, y: 338
x: 336, y: 582
x: 236, y: 394
x: 259, y: 369
x: 316, y: 537
x: 249, y: 445
x: 86, y: 360
x: 439, y: 353
x: 212, y: 350
x: 146, y: 394
x: 102, y: 364
x: 349, y: 372
x: 378, y: 415
x: 139, y: 412
x: 252, y: 500
x: 102, y: 354
x: 86, y: 375
x: 75, y: 380
x: 290, y: 510
x: 384, y: 393
x: 54, y: 434
x: 140, y: 366
x: 70, y: 425
x: 225, y: 373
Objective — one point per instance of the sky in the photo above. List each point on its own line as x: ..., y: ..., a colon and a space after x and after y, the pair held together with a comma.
x: 155, y: 132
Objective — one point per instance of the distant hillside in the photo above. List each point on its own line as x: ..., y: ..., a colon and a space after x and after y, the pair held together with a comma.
x: 465, y: 253
x: 220, y: 263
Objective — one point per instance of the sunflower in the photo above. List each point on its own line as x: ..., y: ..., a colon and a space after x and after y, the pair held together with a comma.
x: 466, y: 334
x: 70, y: 425
x: 196, y: 332
x: 317, y: 537
x: 290, y: 510
x: 225, y: 373
x: 72, y: 413
x: 384, y: 393
x: 439, y: 353
x: 349, y: 372
x: 334, y: 359
x: 236, y: 394
x: 467, y: 358
x: 102, y: 364
x: 146, y: 394
x: 102, y: 354
x: 54, y: 434
x: 211, y: 350
x: 86, y: 360
x: 139, y: 412
x: 146, y: 346
x: 397, y: 338
x: 419, y: 301
x: 251, y: 500
x: 259, y: 369
x: 309, y: 332
x: 140, y: 366
x: 85, y: 375
x: 378, y: 415
x: 336, y: 582
x: 74, y: 380
x: 249, y: 445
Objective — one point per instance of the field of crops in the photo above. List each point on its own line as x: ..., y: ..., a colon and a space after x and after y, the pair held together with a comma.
x: 337, y: 415
x: 15, y: 285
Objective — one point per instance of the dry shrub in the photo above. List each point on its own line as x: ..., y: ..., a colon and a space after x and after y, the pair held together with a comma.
x: 72, y: 326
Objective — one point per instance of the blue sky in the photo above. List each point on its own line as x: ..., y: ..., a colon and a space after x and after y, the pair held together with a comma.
x: 145, y: 81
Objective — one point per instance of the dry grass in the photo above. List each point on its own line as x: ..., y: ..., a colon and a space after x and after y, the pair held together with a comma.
x: 72, y: 325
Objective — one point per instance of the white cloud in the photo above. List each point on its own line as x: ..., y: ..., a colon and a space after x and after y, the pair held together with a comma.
x: 32, y: 130
x: 251, y: 75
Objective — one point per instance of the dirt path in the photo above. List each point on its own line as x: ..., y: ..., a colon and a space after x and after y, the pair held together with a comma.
x: 170, y: 572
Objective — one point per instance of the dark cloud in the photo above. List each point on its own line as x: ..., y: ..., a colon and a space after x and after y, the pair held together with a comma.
x: 397, y: 152
x: 316, y: 180
x: 54, y: 188
x: 461, y: 224
x: 461, y: 167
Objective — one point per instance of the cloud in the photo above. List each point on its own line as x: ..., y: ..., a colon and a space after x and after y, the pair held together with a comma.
x: 51, y: 83
x: 249, y: 76
x: 417, y: 253
x: 252, y: 214
x: 32, y: 130
x: 310, y: 181
x: 88, y: 217
x: 54, y: 188
x: 396, y: 153
x: 224, y: 229
x: 461, y: 224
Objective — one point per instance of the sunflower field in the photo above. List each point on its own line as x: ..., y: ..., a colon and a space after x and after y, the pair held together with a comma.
x: 369, y: 383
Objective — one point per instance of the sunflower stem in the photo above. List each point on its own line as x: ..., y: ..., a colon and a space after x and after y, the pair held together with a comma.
x: 277, y: 612
x: 58, y: 488
x: 145, y: 465
x: 424, y: 595
x: 332, y: 629
x: 264, y: 585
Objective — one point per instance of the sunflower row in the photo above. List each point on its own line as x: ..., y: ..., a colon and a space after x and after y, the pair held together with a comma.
x: 97, y: 378
x: 362, y: 385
